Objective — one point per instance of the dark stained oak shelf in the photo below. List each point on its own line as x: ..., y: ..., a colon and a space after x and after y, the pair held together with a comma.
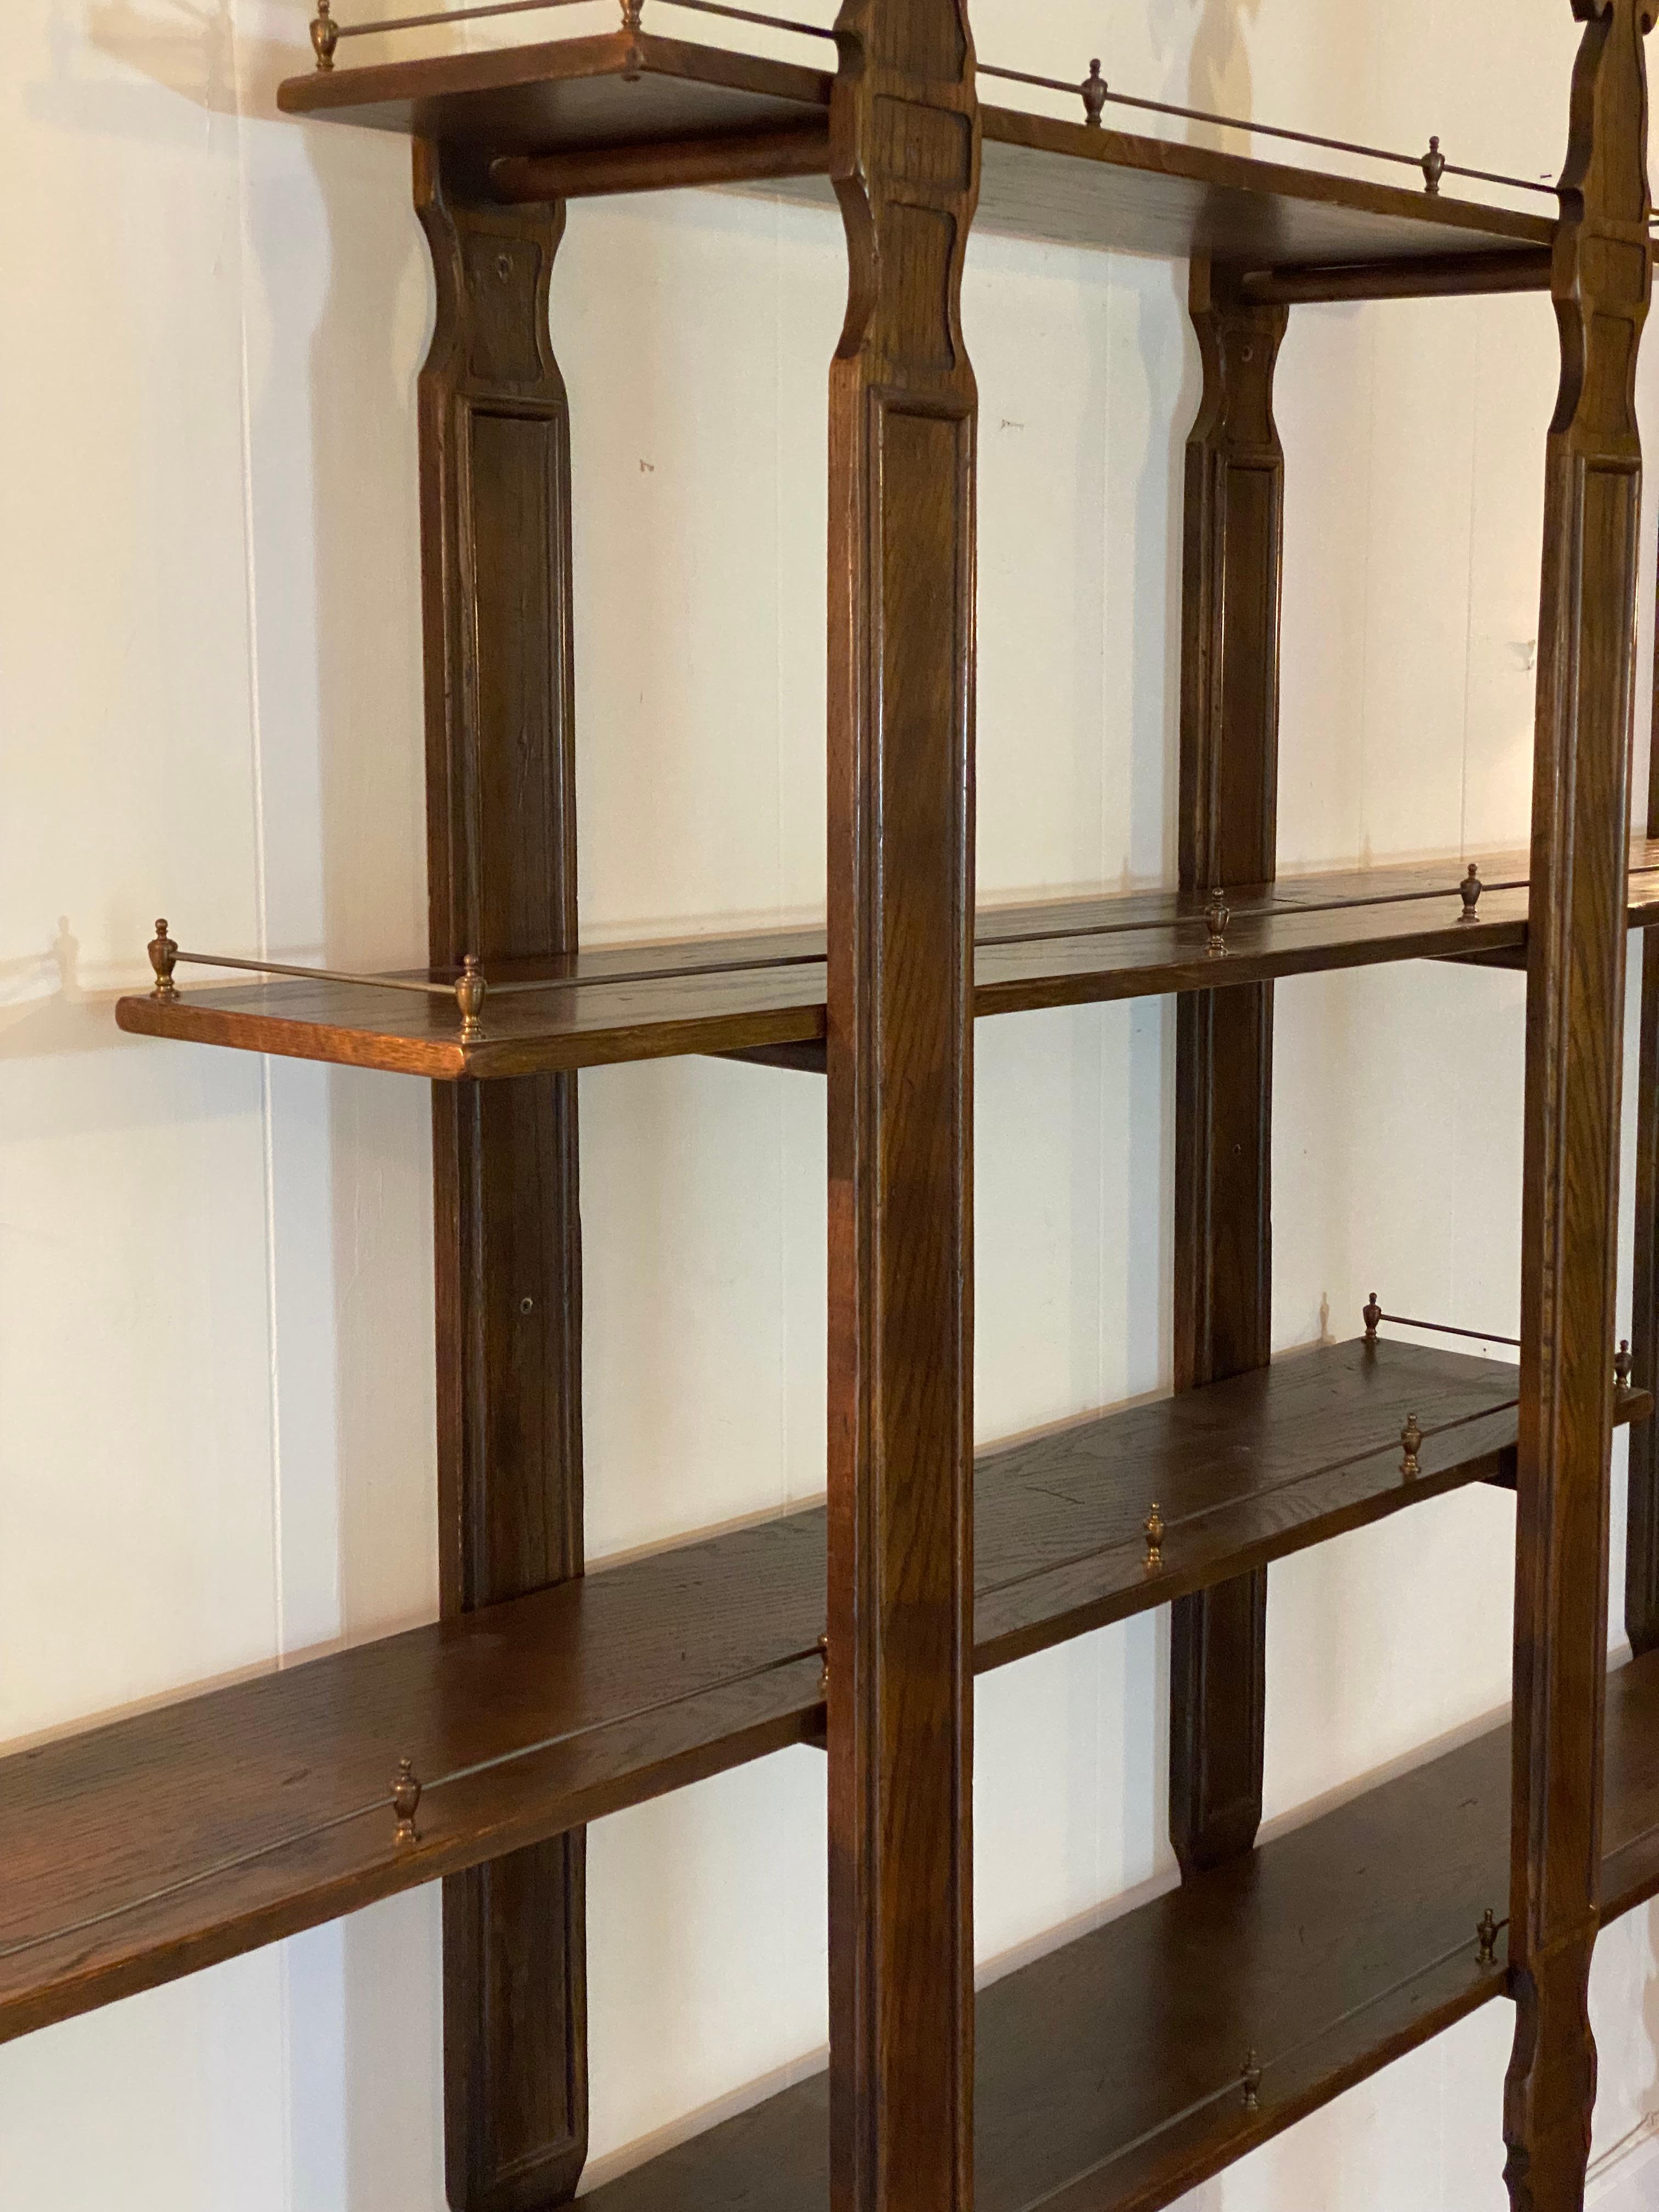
x: 157, y: 1844
x: 747, y: 994
x: 1109, y: 2071
x: 635, y: 111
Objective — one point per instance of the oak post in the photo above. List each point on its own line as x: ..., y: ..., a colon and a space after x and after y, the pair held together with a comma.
x: 1231, y: 589
x: 1642, y: 1532
x: 502, y: 855
x: 1601, y: 285
x: 904, y: 158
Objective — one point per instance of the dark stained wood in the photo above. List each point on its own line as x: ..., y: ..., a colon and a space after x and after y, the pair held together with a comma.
x: 1044, y: 178
x: 1109, y: 2072
x: 1575, y: 1012
x: 1642, y: 1525
x: 1231, y: 589
x: 1446, y: 276
x: 737, y: 995
x: 494, y: 431
x: 144, y: 1849
x: 801, y: 151
x: 566, y: 94
x: 904, y: 429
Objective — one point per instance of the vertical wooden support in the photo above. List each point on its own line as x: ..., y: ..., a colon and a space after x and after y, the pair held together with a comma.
x: 1601, y: 285
x: 1642, y: 1543
x: 501, y: 823
x: 903, y: 412
x: 1231, y: 574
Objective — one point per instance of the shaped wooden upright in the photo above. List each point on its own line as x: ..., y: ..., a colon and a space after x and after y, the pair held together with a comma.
x: 1601, y: 285
x: 501, y: 854
x: 903, y: 411
x: 1231, y: 580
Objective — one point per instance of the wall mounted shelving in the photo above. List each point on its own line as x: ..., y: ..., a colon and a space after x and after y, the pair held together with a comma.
x: 1128, y: 2065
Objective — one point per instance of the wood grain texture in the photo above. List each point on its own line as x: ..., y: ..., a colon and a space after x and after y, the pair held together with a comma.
x: 1641, y: 1522
x: 639, y: 113
x: 742, y: 994
x: 140, y: 1850
x: 1575, y: 1012
x: 903, y: 427
x: 1231, y: 591
x: 495, y: 434
x: 1108, y: 2073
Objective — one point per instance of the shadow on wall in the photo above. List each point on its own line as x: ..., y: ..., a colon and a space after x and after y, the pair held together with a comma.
x: 1219, y: 73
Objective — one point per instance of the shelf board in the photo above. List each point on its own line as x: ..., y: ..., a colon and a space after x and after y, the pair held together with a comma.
x: 742, y: 994
x: 158, y: 1843
x: 581, y: 100
x: 1109, y: 2072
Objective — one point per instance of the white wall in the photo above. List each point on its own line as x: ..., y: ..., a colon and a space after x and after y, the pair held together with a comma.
x: 215, y: 1405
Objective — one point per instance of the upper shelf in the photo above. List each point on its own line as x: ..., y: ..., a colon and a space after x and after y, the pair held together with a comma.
x: 765, y: 991
x: 162, y: 1842
x: 632, y: 112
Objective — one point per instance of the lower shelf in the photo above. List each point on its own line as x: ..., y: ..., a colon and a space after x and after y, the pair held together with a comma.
x: 142, y: 1850
x: 1109, y: 2072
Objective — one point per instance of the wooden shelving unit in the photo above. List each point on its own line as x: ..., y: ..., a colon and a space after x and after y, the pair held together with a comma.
x: 738, y: 995
x: 1127, y: 2066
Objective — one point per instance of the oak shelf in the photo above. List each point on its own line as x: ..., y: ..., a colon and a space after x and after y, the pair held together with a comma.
x: 637, y: 112
x: 160, y: 1844
x: 742, y: 995
x: 1108, y: 2073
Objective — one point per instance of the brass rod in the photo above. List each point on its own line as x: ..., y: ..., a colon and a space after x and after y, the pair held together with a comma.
x: 437, y: 17
x: 441, y: 16
x: 1447, y: 1328
x: 1261, y: 130
x: 748, y: 15
x: 316, y: 975
x: 666, y: 975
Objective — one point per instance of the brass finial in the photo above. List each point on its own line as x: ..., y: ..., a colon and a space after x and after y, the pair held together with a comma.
x: 1217, y: 915
x: 1488, y: 1933
x: 469, y: 990
x: 325, y: 35
x: 1370, y: 1313
x: 824, y: 1653
x: 163, y: 956
x: 1624, y: 1363
x: 1411, y: 1438
x: 632, y: 11
x: 1249, y: 2082
x: 1469, y: 891
x: 1094, y: 89
x: 1154, y: 1533
x: 406, y: 1801
x: 1434, y: 166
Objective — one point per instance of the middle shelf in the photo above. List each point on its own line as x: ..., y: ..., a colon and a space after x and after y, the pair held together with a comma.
x: 160, y: 1844
x: 765, y: 991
